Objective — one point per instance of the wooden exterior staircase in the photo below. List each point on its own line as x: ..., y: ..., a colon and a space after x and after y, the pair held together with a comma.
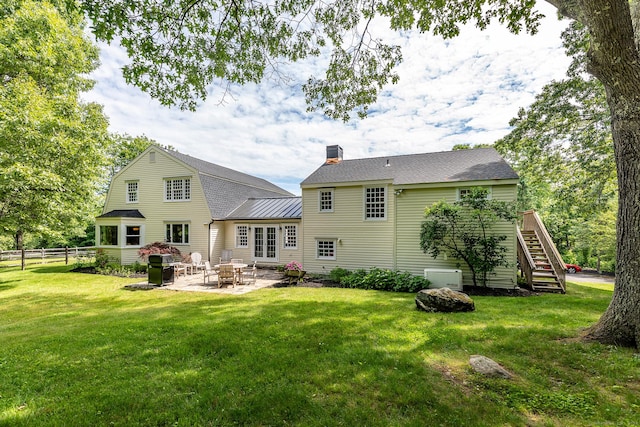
x: 539, y: 259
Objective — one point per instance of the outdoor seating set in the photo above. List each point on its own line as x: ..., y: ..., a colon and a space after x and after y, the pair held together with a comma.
x: 230, y: 271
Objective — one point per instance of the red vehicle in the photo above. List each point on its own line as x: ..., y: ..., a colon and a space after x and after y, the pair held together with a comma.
x: 573, y: 268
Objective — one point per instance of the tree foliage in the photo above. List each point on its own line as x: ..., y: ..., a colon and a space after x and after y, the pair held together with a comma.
x: 465, y: 231
x: 52, y: 145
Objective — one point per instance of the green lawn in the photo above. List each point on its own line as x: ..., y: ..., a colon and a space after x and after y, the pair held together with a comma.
x: 79, y: 350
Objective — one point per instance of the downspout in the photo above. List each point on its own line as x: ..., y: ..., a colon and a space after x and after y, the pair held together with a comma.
x: 209, y: 240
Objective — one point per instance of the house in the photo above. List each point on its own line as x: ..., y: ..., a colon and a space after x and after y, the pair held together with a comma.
x: 367, y: 213
x: 197, y: 206
x: 352, y: 214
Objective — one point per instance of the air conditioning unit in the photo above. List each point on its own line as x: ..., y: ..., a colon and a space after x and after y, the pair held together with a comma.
x: 442, y: 278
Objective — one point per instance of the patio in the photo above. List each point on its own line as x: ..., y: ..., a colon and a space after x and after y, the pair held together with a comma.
x: 195, y: 283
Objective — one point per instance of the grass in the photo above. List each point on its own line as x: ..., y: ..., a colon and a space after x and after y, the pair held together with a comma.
x: 78, y: 349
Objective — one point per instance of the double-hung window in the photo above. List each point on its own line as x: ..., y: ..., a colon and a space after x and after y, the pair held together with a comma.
x: 375, y: 203
x: 242, y: 236
x: 177, y: 189
x: 132, y: 191
x: 325, y: 200
x: 466, y: 191
x: 290, y: 236
x: 133, y: 235
x: 177, y: 233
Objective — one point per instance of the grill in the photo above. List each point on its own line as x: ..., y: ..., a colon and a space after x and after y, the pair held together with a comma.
x: 160, y: 270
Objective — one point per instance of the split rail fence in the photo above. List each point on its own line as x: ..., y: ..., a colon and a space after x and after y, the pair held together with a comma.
x: 42, y: 256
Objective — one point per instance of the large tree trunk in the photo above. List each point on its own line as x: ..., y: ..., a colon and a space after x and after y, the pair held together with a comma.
x: 614, y: 60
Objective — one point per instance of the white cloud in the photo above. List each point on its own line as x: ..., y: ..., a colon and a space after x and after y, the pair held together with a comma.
x: 463, y: 90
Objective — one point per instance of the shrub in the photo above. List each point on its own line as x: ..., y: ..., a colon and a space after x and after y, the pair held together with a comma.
x: 384, y: 280
x: 158, y: 248
x: 338, y: 273
x: 102, y: 259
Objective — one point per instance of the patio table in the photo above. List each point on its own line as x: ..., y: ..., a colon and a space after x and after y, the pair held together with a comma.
x: 237, y: 268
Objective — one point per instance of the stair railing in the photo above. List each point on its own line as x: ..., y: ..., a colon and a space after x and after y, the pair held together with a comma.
x: 532, y: 222
x: 527, y: 265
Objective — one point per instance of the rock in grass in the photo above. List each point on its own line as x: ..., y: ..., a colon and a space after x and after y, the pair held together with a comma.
x: 488, y: 367
x: 443, y: 300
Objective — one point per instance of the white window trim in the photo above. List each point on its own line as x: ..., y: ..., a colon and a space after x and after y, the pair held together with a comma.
x: 248, y: 235
x: 99, y: 235
x: 284, y: 237
x: 326, y: 190
x: 140, y: 235
x: 184, y: 179
x: 461, y: 189
x: 364, y: 203
x: 183, y: 223
x: 137, y: 192
x: 335, y: 249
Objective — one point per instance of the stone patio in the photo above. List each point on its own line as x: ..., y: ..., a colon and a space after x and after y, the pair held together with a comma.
x: 195, y: 283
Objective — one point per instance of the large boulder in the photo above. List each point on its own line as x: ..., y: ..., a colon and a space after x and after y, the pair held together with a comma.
x: 443, y: 300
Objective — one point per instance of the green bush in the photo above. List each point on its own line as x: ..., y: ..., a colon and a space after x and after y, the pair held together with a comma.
x: 102, y: 259
x: 338, y: 273
x: 384, y: 280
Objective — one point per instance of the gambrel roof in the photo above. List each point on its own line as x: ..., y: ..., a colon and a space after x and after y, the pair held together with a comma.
x: 477, y: 164
x: 226, y: 189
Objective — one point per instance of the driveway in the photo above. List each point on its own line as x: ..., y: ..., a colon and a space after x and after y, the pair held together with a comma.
x: 590, y: 277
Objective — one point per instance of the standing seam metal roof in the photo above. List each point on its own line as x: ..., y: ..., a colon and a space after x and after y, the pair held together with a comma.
x: 270, y: 208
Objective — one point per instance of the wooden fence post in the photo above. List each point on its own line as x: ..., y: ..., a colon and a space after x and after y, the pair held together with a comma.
x: 23, y: 255
x: 66, y: 255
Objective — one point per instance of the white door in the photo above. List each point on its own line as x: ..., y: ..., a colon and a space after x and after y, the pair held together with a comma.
x: 265, y: 243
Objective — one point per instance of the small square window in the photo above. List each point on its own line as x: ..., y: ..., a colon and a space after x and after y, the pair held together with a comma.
x: 133, y: 235
x: 326, y: 249
x: 177, y: 233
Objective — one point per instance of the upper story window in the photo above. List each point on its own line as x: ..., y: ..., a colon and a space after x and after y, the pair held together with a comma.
x: 290, y: 236
x: 465, y: 191
x: 325, y: 200
x: 177, y: 233
x: 242, y: 236
x: 177, y: 189
x: 375, y: 203
x: 132, y: 191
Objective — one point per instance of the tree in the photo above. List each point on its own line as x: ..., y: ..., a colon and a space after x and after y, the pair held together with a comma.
x: 178, y: 48
x: 52, y: 146
x: 561, y: 146
x: 465, y: 231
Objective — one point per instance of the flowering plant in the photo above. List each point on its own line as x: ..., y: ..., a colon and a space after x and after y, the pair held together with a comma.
x: 293, y: 266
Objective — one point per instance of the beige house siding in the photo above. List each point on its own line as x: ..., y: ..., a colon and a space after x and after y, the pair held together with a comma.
x: 411, y: 204
x: 360, y: 243
x: 284, y: 255
x: 150, y: 170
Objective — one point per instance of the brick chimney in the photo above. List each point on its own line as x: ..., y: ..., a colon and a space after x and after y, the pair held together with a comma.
x: 334, y: 154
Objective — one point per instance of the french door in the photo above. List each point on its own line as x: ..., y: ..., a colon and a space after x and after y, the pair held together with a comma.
x: 265, y: 243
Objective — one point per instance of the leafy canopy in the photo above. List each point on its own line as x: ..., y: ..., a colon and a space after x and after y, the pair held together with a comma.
x: 178, y: 48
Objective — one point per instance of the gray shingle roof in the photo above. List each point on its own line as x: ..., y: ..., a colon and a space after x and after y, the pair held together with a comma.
x: 123, y: 213
x: 276, y: 208
x: 225, y: 189
x: 447, y: 166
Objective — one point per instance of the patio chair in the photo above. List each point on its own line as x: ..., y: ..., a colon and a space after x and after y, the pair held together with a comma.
x: 226, y: 274
x: 236, y: 261
x: 226, y: 256
x: 250, y: 275
x: 208, y: 271
x: 196, y: 262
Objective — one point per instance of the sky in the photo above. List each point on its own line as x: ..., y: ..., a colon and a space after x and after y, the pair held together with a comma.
x: 458, y: 91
